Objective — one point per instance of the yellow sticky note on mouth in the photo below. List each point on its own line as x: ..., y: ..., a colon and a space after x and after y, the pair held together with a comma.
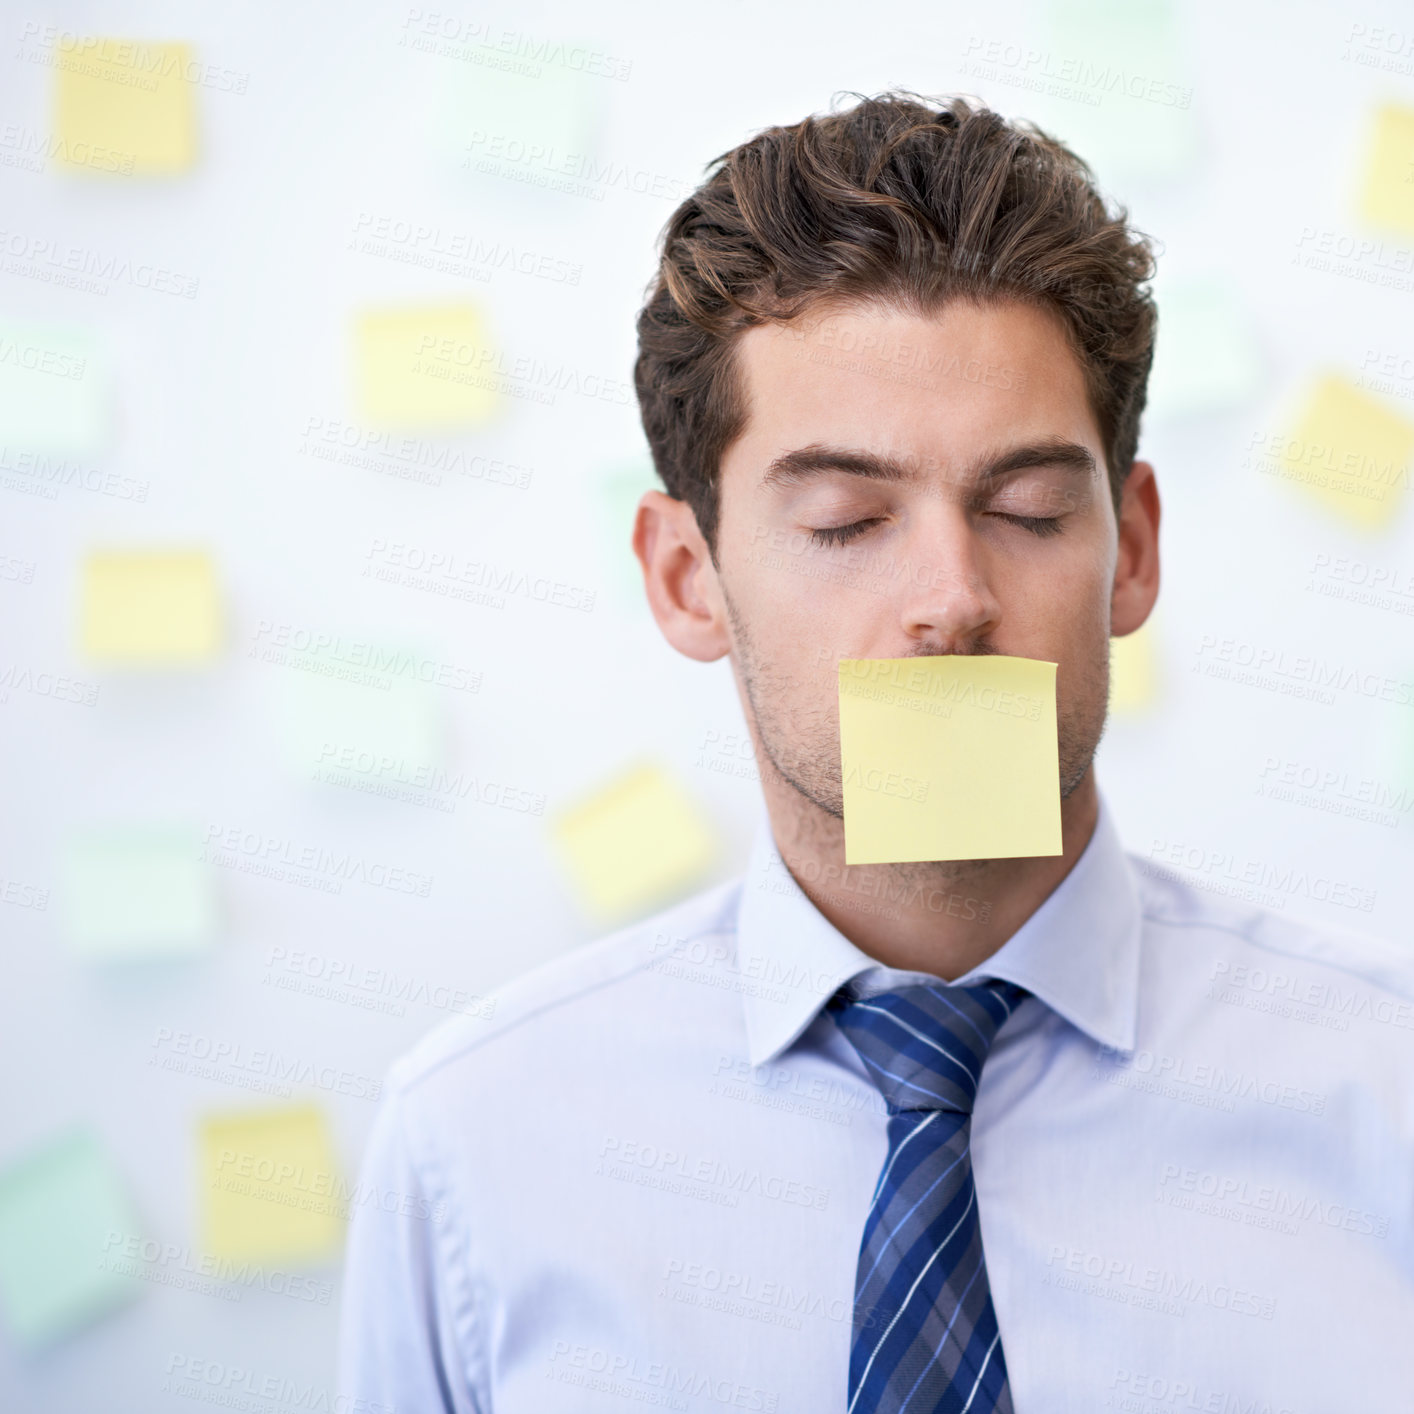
x: 949, y: 757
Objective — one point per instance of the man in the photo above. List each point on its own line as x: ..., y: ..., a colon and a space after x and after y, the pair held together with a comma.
x: 1017, y: 1133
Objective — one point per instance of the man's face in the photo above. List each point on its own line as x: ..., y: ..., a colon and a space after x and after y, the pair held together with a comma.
x: 1000, y: 537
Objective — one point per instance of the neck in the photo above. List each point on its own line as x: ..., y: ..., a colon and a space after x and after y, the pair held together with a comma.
x: 942, y: 917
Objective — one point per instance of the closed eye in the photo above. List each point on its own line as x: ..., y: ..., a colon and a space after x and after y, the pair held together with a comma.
x: 842, y: 534
x: 1037, y: 525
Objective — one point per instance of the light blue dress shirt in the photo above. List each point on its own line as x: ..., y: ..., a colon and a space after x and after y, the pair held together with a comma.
x: 644, y: 1181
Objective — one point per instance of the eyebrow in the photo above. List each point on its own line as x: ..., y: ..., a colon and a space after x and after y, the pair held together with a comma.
x: 797, y: 467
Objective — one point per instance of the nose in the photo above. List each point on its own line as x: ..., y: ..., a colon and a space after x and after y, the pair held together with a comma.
x: 948, y: 604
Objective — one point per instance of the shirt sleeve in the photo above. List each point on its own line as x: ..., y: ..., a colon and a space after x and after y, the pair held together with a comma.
x: 398, y: 1347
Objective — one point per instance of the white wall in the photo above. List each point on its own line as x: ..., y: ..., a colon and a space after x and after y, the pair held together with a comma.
x: 212, y: 395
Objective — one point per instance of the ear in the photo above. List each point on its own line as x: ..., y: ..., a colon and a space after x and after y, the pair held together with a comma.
x: 679, y: 577
x: 1136, y: 584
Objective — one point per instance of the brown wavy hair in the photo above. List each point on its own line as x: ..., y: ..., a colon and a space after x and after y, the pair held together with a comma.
x: 897, y: 202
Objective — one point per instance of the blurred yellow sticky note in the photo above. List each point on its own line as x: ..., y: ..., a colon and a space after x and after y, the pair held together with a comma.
x: 1351, y: 453
x: 635, y: 844
x: 426, y: 367
x: 131, y: 99
x: 948, y: 757
x: 138, y: 892
x: 1387, y: 199
x: 1132, y: 670
x: 152, y: 608
x: 271, y: 1186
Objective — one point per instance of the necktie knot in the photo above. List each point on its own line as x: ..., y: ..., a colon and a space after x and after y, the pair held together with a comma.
x: 924, y: 1045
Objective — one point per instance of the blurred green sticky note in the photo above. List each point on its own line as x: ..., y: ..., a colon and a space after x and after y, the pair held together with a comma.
x: 634, y: 844
x: 270, y: 1185
x: 54, y: 389
x: 130, y: 100
x: 426, y: 366
x: 64, y: 1218
x: 138, y: 892
x: 620, y: 488
x: 1350, y: 453
x: 547, y: 120
x: 948, y: 757
x: 1109, y: 81
x: 354, y: 724
x: 1133, y: 673
x: 1387, y: 197
x: 1205, y: 358
x: 150, y: 608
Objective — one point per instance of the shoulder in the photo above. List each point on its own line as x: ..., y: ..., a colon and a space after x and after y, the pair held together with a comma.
x: 596, y: 986
x: 1224, y: 918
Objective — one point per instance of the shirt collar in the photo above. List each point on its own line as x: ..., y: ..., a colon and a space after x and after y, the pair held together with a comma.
x: 1078, y: 952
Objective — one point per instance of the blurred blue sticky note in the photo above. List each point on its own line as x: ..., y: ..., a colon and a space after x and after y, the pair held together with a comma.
x: 1109, y: 80
x: 64, y: 1221
x: 54, y: 389
x: 1402, y: 753
x: 1205, y: 357
x: 138, y: 892
x: 354, y: 725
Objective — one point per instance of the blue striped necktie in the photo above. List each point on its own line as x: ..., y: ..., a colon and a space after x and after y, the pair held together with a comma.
x: 925, y: 1334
